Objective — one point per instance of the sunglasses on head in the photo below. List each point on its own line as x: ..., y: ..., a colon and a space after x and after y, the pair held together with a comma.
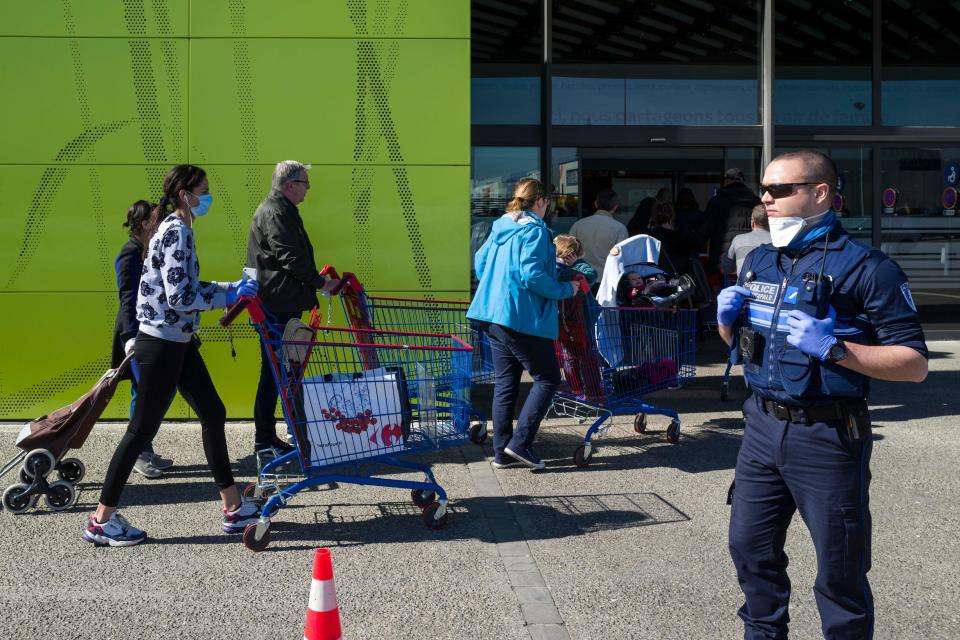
x: 782, y: 189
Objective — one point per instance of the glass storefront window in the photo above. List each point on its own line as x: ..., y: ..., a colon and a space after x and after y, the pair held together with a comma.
x: 692, y: 64
x: 505, y: 51
x: 823, y: 67
x: 919, y: 225
x: 565, y: 187
x: 505, y: 100
x: 494, y: 171
x: 920, y: 80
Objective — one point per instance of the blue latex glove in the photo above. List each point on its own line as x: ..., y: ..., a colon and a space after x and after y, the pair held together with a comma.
x: 729, y: 303
x: 241, y: 288
x: 813, y: 337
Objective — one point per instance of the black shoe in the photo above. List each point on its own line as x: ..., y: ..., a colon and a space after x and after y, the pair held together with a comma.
x: 278, y: 446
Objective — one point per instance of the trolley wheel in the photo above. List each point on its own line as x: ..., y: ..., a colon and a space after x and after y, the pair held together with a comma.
x: 724, y: 391
x: 38, y: 461
x: 250, y: 538
x: 478, y: 432
x: 249, y: 490
x: 24, y: 478
x: 429, y: 519
x: 71, y: 470
x: 423, y: 498
x: 60, y: 495
x: 579, y: 458
x: 673, y: 432
x: 640, y: 423
x: 16, y: 500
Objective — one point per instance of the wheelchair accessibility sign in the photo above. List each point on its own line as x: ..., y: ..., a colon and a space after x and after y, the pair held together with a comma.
x: 951, y: 174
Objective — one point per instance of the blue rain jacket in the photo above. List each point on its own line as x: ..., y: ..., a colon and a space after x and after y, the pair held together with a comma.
x: 518, y: 282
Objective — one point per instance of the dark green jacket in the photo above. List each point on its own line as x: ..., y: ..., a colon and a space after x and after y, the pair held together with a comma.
x: 283, y: 256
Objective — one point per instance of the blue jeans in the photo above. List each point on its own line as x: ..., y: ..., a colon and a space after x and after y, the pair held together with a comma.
x: 134, y: 377
x: 514, y: 352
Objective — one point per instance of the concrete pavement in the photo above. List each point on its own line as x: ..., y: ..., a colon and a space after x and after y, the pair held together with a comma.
x: 634, y: 546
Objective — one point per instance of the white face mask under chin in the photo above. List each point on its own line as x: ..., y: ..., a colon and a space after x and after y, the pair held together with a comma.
x: 784, y: 230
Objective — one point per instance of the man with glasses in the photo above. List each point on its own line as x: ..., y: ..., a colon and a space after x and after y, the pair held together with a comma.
x: 280, y: 251
x: 814, y: 315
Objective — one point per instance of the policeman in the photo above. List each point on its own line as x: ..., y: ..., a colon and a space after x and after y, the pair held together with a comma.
x: 815, y: 315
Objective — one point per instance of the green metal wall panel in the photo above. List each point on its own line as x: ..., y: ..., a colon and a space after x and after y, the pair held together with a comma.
x: 105, y: 96
x: 95, y: 18
x: 334, y: 101
x: 328, y: 19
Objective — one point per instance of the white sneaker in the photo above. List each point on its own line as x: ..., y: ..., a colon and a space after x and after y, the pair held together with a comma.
x: 145, y: 467
x: 115, y: 532
x: 234, y: 521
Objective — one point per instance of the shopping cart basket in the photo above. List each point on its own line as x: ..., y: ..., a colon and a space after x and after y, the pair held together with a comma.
x: 366, y: 311
x: 611, y: 357
x: 356, y: 400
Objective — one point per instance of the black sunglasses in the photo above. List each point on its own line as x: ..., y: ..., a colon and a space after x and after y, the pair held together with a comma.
x: 782, y: 189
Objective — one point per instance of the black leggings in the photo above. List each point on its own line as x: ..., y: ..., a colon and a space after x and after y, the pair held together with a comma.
x: 166, y: 366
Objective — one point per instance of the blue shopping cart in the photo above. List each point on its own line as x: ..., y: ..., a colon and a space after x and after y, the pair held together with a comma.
x: 611, y: 357
x: 366, y: 311
x: 357, y: 400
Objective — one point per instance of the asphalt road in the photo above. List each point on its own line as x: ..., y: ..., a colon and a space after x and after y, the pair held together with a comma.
x: 634, y: 546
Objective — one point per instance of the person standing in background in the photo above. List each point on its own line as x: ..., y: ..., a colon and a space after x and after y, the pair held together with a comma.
x: 601, y: 231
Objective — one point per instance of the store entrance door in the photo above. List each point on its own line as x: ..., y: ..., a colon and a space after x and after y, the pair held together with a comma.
x: 686, y: 176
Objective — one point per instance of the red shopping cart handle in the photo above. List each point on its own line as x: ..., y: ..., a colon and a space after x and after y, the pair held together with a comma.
x: 582, y: 282
x: 256, y: 311
x: 347, y: 280
x: 329, y: 272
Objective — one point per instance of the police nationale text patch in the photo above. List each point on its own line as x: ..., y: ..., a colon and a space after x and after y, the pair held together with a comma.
x: 764, y: 291
x: 905, y: 290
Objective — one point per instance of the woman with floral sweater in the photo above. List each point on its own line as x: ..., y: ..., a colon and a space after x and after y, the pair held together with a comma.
x: 169, y: 303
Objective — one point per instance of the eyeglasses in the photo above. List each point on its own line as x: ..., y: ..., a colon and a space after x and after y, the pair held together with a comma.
x: 306, y: 182
x: 782, y: 189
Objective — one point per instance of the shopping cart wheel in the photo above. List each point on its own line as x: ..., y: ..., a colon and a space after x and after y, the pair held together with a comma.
x: 38, y: 461
x: 16, y: 500
x: 640, y: 423
x: 724, y: 391
x: 24, y: 477
x: 673, y: 432
x: 478, y: 432
x: 578, y: 456
x: 250, y: 538
x: 430, y: 521
x: 60, y: 495
x: 423, y: 498
x: 71, y: 470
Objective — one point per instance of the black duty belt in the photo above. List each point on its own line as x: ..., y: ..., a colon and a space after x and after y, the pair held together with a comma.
x: 830, y: 412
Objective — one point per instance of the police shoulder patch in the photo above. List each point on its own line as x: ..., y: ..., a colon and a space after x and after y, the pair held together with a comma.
x: 905, y: 290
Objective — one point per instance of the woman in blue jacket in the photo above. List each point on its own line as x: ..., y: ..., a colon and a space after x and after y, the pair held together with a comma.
x: 516, y: 305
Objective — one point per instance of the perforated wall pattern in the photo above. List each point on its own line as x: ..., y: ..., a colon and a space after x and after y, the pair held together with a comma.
x: 104, y: 97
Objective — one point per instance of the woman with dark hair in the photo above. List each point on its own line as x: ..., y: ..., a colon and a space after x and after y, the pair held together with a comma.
x: 676, y: 249
x: 641, y: 217
x: 129, y: 266
x: 169, y: 302
x: 689, y: 217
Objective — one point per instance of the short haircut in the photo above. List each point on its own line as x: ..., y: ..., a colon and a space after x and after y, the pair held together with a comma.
x: 759, y: 217
x: 286, y: 171
x: 733, y: 175
x: 817, y: 167
x: 567, y: 244
x: 607, y: 199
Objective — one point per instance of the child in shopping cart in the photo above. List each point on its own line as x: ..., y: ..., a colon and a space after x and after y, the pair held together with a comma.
x: 649, y: 286
x: 570, y: 260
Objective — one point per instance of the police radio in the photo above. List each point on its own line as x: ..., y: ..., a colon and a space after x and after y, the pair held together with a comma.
x: 814, y: 298
x: 751, y: 342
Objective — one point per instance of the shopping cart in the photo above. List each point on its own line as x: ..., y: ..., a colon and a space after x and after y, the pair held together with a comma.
x: 365, y: 311
x: 611, y: 357
x: 356, y: 400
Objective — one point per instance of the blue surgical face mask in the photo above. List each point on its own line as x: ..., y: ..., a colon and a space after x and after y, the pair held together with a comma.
x: 201, y: 208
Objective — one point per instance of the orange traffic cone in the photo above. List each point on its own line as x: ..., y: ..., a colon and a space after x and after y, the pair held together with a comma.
x: 323, y: 615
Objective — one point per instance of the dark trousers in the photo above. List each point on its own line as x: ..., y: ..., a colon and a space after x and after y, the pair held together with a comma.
x: 824, y: 472
x: 513, y: 352
x: 166, y: 367
x: 265, y: 404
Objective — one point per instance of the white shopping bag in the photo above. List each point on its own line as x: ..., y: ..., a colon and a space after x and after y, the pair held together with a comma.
x: 355, y: 416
